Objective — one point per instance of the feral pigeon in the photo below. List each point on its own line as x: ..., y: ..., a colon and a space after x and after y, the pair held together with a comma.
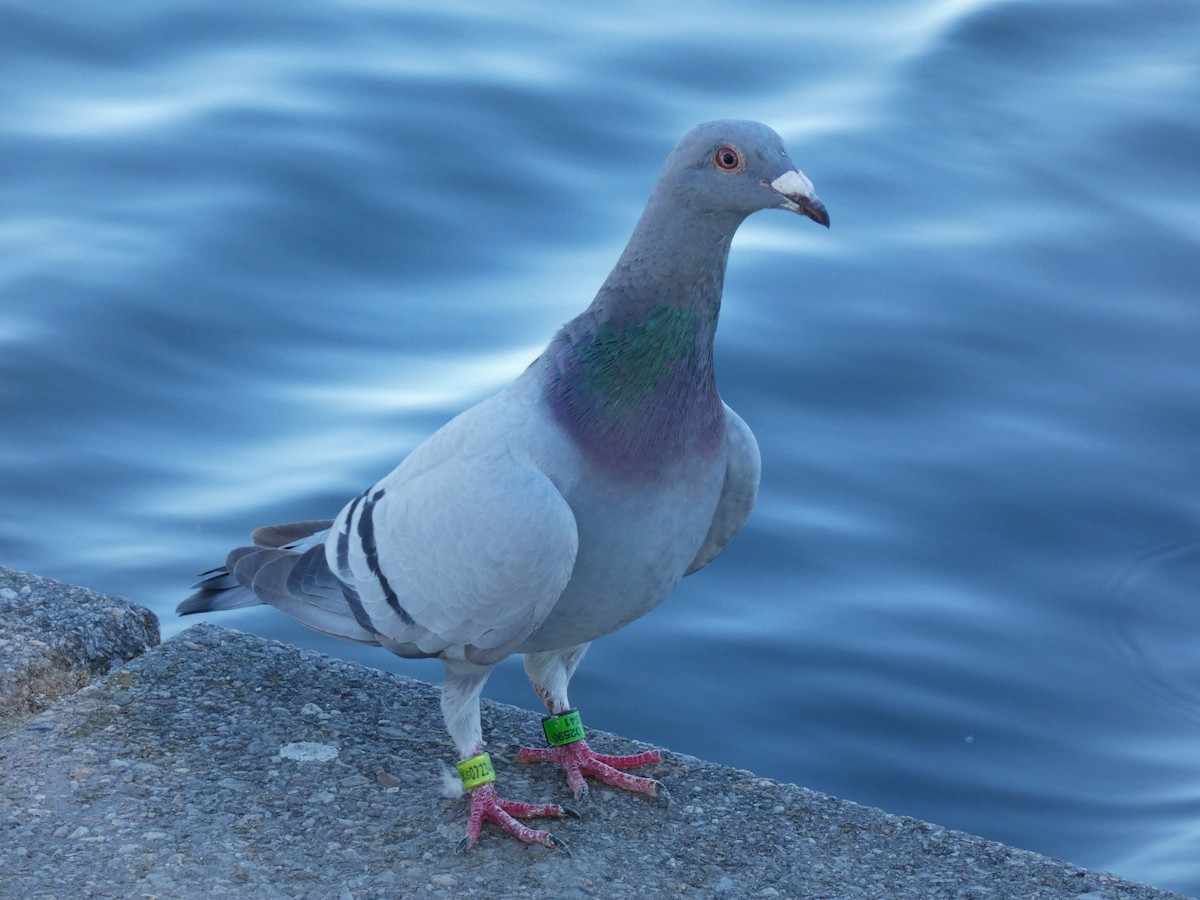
x: 565, y: 506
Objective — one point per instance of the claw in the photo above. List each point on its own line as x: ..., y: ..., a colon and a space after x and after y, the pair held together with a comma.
x: 570, y: 811
x: 558, y: 844
x: 662, y: 795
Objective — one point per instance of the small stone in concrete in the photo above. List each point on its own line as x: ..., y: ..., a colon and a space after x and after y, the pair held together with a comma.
x: 308, y: 751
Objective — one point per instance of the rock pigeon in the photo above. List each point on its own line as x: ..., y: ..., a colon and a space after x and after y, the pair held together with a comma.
x: 565, y: 506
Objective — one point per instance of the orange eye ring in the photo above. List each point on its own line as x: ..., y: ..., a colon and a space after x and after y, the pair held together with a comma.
x: 728, y: 159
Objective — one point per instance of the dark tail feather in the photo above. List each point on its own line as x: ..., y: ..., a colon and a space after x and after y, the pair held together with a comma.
x: 282, y: 535
x: 217, y: 593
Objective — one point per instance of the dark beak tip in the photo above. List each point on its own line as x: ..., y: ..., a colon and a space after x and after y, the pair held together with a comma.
x: 816, y: 211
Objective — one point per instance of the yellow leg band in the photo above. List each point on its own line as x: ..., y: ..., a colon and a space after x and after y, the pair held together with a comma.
x: 476, y: 771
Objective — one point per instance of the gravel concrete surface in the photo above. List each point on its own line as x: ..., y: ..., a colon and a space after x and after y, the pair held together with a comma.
x: 223, y: 765
x: 55, y: 638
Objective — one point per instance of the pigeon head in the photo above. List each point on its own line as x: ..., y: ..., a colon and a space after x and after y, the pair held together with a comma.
x: 737, y: 168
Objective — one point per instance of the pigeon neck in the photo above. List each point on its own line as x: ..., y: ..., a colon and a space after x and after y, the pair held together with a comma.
x: 675, y: 257
x: 631, y: 379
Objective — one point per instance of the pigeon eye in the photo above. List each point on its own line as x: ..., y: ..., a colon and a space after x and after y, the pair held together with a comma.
x: 728, y: 159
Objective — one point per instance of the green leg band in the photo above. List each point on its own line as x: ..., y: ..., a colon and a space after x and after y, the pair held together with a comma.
x: 476, y: 771
x: 566, y: 728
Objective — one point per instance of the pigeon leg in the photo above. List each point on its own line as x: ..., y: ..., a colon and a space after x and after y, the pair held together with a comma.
x: 550, y: 673
x: 460, y: 710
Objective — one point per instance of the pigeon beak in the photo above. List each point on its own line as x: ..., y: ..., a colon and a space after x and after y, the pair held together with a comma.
x: 799, y: 196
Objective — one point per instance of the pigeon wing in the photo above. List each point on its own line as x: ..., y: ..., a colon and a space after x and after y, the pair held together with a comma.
x: 742, y: 474
x: 467, y: 544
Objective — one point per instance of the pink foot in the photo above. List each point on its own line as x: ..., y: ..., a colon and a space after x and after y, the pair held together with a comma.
x: 486, y: 806
x: 578, y: 759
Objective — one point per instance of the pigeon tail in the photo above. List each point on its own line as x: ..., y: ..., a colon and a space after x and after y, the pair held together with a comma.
x: 286, y: 569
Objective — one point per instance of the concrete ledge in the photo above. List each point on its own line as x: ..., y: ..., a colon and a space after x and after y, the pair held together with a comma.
x: 169, y: 778
x: 55, y: 638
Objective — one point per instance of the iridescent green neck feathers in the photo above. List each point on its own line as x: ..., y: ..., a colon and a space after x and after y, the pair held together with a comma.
x: 636, y: 392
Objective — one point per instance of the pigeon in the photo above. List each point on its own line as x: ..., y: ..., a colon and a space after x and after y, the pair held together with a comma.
x: 567, y: 505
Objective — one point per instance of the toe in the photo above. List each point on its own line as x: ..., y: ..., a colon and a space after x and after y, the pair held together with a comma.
x: 487, y: 806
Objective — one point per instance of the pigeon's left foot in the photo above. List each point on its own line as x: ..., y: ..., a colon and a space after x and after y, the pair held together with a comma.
x: 488, y: 806
x: 578, y: 759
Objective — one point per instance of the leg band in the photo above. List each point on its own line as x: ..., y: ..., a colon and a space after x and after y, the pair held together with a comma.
x: 475, y: 771
x: 566, y: 728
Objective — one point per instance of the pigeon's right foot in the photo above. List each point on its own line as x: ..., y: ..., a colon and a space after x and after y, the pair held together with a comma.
x: 487, y: 806
x: 578, y: 759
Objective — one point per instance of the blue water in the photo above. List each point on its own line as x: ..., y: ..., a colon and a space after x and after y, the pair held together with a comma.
x: 251, y: 255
